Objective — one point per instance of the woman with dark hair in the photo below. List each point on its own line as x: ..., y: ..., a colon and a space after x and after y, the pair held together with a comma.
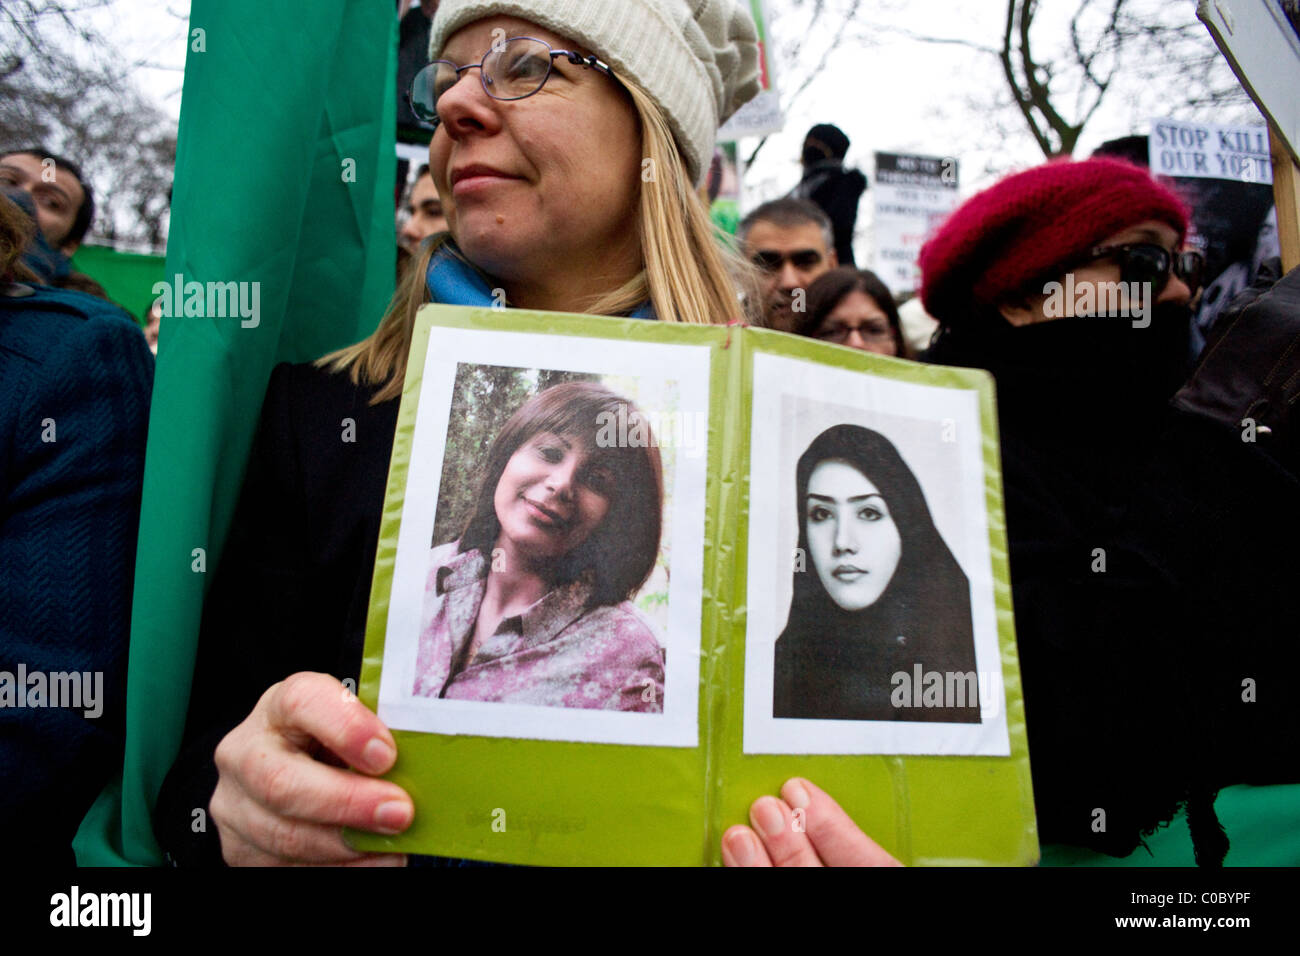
x: 531, y: 604
x: 885, y: 596
x: 853, y: 307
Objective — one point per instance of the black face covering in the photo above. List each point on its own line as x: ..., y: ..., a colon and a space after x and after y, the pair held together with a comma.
x: 1137, y: 359
x: 1095, y: 376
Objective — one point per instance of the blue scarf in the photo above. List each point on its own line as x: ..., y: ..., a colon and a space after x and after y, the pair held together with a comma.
x: 453, y: 281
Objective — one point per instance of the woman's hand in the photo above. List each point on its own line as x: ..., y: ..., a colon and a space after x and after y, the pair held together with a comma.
x: 276, y: 803
x: 821, y: 834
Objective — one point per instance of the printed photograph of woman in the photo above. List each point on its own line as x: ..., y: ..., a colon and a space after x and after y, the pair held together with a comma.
x: 531, y: 603
x: 880, y: 593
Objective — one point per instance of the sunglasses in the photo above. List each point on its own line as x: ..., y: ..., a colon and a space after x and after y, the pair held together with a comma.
x: 770, y: 261
x: 1146, y: 262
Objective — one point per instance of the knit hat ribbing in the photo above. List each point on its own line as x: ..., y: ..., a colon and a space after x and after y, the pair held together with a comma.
x: 1028, y: 224
x: 697, y: 59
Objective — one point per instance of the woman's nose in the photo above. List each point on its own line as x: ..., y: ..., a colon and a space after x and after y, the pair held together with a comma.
x: 465, y: 107
x: 845, y: 540
x: 559, y: 480
x: 1175, y: 290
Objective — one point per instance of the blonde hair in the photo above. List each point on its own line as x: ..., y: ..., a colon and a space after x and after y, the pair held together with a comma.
x: 691, y: 273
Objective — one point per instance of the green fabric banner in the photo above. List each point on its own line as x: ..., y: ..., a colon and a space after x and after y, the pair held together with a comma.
x: 282, y: 248
x: 127, y: 277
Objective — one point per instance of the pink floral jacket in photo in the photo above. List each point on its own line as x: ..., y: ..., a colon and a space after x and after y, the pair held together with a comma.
x: 553, y: 654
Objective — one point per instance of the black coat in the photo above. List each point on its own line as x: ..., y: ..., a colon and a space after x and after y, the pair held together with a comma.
x: 836, y: 191
x: 293, y: 585
x: 1153, y: 571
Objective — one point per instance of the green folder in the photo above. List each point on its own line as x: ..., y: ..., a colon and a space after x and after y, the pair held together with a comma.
x: 661, y: 788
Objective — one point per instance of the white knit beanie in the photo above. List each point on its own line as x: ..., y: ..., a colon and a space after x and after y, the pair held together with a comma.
x: 697, y: 59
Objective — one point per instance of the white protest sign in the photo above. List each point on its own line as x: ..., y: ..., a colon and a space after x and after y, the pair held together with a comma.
x: 912, y: 194
x: 761, y: 115
x: 1207, y: 151
x: 1263, y: 48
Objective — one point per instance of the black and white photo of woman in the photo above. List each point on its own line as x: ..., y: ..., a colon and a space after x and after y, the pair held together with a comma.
x: 878, y: 595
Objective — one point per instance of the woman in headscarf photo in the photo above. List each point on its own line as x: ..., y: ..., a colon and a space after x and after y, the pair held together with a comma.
x: 883, y: 595
x: 532, y: 603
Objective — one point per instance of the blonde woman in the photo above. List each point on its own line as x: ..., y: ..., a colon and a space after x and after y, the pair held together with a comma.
x: 567, y: 151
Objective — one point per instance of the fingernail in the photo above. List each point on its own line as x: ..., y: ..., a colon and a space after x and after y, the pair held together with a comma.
x: 378, y: 755
x: 742, y: 848
x: 795, y: 794
x: 393, y: 816
x: 767, y: 817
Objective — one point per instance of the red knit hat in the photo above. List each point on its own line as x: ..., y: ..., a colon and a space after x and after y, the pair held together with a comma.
x: 1027, y: 225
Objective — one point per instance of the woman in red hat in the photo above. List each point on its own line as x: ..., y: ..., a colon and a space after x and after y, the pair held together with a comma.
x: 1151, y: 515
x: 1135, y: 526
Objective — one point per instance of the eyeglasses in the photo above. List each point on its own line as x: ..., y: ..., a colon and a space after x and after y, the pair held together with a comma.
x: 839, y: 334
x: 770, y: 261
x: 511, y: 70
x: 1146, y: 262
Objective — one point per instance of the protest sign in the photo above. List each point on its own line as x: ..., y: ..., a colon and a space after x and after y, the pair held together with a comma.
x: 761, y: 115
x: 913, y: 195
x: 1210, y: 151
x: 1224, y: 174
x: 669, y: 701
x: 1261, y: 42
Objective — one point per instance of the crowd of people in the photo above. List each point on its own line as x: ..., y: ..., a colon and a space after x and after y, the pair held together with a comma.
x: 1111, y: 438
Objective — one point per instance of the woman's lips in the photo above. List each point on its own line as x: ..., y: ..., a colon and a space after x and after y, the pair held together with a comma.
x: 478, y: 182
x: 848, y: 573
x: 545, y: 516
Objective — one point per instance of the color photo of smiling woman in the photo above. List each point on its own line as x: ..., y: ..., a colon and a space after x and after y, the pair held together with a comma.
x: 531, y: 604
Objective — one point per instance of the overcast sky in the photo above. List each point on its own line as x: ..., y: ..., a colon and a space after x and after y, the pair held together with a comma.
x: 885, y: 91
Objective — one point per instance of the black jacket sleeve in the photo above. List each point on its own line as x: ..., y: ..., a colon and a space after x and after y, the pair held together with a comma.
x: 292, y: 588
x: 252, y: 614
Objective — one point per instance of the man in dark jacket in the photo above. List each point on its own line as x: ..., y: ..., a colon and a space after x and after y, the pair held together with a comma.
x: 833, y: 188
x: 1152, y: 547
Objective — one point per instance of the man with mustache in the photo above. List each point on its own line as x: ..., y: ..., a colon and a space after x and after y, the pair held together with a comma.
x: 791, y: 242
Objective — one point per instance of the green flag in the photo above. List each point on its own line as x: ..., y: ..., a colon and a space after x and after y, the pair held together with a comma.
x: 282, y: 248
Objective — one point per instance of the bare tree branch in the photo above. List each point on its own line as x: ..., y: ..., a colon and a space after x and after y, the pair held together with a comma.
x: 1058, y: 84
x: 1022, y: 98
x: 839, y: 35
x: 85, y: 106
